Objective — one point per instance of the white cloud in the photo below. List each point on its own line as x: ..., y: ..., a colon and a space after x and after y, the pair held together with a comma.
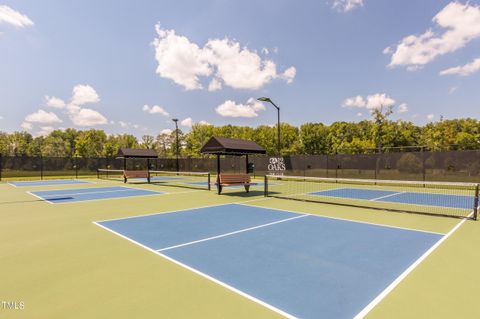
x: 131, y: 125
x: 54, y: 102
x: 359, y: 114
x: 452, y: 89
x: 87, y: 117
x: 80, y: 116
x: 187, y: 122
x: 45, y: 130
x: 231, y: 109
x: 239, y: 67
x: 378, y: 100
x: 185, y: 63
x: 42, y: 117
x: 356, y: 101
x: 166, y: 131
x: 1, y: 117
x: 430, y: 117
x: 402, y: 108
x: 463, y: 70
x: 371, y: 102
x: 203, y: 123
x: 26, y: 126
x: 155, y: 110
x: 461, y: 23
x: 347, y: 5
x: 179, y: 59
x: 13, y: 17
x: 83, y: 94
x: 289, y: 74
x: 214, y: 85
x: 265, y: 51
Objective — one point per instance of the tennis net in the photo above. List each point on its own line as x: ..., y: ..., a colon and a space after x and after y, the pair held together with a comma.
x: 197, y: 180
x: 443, y: 199
x: 114, y: 174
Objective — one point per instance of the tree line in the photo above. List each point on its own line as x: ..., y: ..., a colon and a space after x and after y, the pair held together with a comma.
x: 378, y: 134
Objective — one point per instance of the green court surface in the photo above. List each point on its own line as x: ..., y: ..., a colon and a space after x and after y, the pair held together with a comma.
x: 55, y: 260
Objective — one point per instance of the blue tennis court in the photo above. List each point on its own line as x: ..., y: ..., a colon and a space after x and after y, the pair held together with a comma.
x: 299, y: 265
x: 412, y: 198
x: 48, y: 182
x: 89, y: 194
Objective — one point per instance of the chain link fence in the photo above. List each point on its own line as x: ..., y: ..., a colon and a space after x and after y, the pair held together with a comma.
x: 420, y: 165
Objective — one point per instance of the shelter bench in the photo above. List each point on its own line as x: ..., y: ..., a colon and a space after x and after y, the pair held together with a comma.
x: 135, y: 174
x: 234, y: 180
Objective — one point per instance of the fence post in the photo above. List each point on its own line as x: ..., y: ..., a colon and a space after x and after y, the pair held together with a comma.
x: 423, y: 165
x: 475, y: 203
x: 41, y: 167
x: 265, y: 186
x: 76, y: 167
x: 327, y: 164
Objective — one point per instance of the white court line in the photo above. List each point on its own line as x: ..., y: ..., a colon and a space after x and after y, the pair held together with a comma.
x: 25, y: 183
x: 374, y: 199
x: 348, y: 220
x: 96, y: 192
x: 395, y: 283
x: 42, y: 199
x: 233, y: 233
x: 225, y: 285
x: 100, y: 199
x: 182, y: 210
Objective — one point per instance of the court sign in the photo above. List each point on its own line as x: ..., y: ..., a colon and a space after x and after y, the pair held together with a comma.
x: 276, y: 166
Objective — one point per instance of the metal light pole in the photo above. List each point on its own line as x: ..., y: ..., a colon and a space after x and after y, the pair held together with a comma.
x: 266, y: 99
x: 176, y: 139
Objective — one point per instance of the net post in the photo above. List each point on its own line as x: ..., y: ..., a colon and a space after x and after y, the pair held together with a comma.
x: 475, y: 203
x: 265, y: 186
x: 209, y: 184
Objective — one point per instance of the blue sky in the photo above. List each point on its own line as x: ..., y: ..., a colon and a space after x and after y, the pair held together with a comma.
x: 128, y: 66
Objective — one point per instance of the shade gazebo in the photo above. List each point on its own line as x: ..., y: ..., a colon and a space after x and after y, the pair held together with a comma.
x: 126, y: 153
x: 231, y: 146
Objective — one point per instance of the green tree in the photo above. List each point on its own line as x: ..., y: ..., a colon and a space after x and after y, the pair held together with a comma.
x: 148, y: 142
x: 380, y: 117
x: 195, y: 139
x: 90, y: 143
x: 19, y: 143
x: 314, y: 138
x: 163, y: 143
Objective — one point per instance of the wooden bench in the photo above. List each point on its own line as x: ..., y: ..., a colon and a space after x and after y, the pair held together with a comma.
x: 135, y: 174
x: 234, y: 180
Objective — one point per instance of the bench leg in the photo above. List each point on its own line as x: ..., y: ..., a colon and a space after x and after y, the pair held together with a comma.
x: 124, y: 180
x: 247, y: 188
x: 219, y: 187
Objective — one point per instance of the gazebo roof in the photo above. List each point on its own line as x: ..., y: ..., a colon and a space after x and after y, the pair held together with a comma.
x: 136, y: 153
x: 231, y: 146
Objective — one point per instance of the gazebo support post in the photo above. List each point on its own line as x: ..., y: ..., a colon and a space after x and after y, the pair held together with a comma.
x: 218, y: 175
x: 246, y: 163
